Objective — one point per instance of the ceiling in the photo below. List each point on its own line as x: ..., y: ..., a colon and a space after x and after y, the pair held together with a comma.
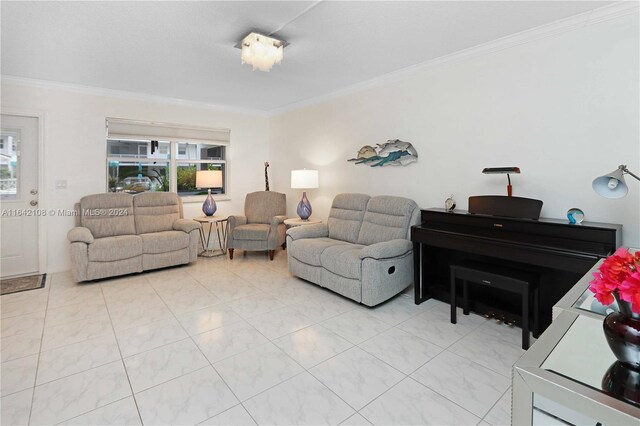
x: 185, y: 50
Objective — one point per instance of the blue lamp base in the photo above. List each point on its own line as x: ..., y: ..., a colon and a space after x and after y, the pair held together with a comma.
x: 209, y: 206
x: 304, y: 207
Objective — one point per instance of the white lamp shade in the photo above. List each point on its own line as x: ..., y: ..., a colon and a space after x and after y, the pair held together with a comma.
x: 209, y: 179
x: 611, y: 185
x: 304, y: 179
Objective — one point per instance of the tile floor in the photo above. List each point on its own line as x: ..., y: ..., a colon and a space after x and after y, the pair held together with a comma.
x: 239, y: 342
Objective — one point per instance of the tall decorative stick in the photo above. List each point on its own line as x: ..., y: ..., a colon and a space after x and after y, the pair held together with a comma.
x: 266, y: 176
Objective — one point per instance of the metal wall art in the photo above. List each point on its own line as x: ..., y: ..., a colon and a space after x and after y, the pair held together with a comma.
x: 392, y: 153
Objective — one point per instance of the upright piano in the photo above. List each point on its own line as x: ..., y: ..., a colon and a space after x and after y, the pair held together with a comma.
x: 559, y: 252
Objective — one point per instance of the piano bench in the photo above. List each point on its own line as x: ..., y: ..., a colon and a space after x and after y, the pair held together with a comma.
x: 507, y: 279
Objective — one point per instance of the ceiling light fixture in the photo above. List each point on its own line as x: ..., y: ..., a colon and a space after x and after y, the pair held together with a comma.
x: 261, y: 52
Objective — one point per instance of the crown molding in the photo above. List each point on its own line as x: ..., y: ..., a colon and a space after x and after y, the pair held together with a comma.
x: 121, y: 94
x: 605, y: 13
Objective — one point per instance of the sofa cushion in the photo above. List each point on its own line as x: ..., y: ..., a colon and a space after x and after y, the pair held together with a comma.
x: 345, y: 217
x: 386, y: 218
x: 120, y: 247
x: 252, y: 231
x: 262, y: 206
x: 107, y: 215
x: 156, y: 211
x: 343, y: 260
x: 309, y: 250
x: 163, y: 242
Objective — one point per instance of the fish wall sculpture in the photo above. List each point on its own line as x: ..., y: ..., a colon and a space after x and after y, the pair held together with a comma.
x: 394, y: 152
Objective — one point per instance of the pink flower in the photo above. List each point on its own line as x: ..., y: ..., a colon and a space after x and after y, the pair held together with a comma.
x: 619, y: 273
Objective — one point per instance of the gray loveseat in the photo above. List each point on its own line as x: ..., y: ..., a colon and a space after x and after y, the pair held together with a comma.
x: 121, y: 234
x: 363, y: 252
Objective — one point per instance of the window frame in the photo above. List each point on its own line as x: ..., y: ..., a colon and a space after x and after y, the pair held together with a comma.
x: 173, y: 164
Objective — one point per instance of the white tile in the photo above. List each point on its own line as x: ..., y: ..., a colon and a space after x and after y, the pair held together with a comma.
x: 256, y: 370
x: 139, y: 339
x: 78, y: 311
x: 295, y: 291
x: 437, y: 328
x: 312, y: 345
x: 207, y: 319
x: 19, y: 346
x: 280, y: 322
x: 68, y: 333
x: 31, y: 324
x: 80, y: 293
x: 355, y: 420
x: 24, y: 296
x: 326, y: 306
x: 139, y: 314
x: 401, y: 350
x: 18, y: 374
x: 235, y: 416
x: 71, y: 359
x: 227, y: 341
x: 472, y: 386
x: 71, y: 396
x: 489, y: 351
x: 500, y: 413
x: 394, y: 311
x: 120, y: 413
x: 256, y: 304
x: 15, y: 408
x: 410, y: 403
x: 356, y: 326
x: 164, y: 363
x: 35, y: 303
x: 189, y: 399
x: 301, y: 400
x: 190, y: 299
x: 356, y: 376
x: 230, y: 288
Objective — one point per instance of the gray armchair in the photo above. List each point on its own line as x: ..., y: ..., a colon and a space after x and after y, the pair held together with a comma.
x: 262, y: 226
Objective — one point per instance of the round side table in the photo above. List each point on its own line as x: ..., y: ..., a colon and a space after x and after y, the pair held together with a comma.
x: 296, y: 221
x: 220, y: 223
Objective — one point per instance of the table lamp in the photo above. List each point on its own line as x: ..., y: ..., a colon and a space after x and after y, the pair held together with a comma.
x: 304, y: 179
x: 612, y: 185
x: 503, y: 170
x: 209, y: 179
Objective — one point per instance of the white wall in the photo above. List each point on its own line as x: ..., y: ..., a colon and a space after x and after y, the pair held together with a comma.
x: 564, y: 109
x: 75, y: 146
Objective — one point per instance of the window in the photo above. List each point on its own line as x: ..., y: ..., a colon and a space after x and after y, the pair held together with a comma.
x: 139, y: 160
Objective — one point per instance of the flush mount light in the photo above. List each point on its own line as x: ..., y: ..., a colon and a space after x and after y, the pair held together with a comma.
x: 261, y: 51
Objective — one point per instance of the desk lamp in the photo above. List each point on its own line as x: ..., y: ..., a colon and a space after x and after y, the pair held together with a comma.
x: 503, y: 170
x: 304, y: 179
x: 612, y: 185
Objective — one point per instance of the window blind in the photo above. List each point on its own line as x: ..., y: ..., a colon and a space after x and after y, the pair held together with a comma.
x: 118, y: 128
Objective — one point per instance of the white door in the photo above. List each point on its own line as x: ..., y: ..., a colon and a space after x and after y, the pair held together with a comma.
x: 18, y: 195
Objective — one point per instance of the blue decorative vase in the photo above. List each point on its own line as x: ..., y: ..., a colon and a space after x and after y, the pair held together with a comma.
x: 209, y: 206
x: 304, y: 207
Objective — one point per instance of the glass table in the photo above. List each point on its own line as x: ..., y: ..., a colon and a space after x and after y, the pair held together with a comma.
x: 566, y: 373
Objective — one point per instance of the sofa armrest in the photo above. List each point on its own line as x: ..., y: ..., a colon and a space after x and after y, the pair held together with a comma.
x: 186, y: 225
x: 236, y: 221
x: 277, y: 220
x: 80, y: 234
x: 387, y: 249
x: 308, y: 231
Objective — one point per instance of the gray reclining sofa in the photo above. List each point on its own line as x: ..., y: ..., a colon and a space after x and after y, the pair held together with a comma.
x: 363, y: 251
x: 121, y: 234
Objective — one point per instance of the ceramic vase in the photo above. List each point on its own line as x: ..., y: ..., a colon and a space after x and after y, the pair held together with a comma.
x: 622, y: 330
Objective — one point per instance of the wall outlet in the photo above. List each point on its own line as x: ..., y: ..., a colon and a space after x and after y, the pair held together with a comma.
x: 61, y: 184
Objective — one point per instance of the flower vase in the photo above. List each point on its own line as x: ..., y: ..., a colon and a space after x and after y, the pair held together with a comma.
x: 304, y: 207
x: 622, y: 330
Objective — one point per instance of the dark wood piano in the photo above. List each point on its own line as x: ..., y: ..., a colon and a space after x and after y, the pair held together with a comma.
x: 560, y: 253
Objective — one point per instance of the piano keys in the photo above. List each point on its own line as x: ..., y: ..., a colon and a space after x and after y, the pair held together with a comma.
x: 559, y: 252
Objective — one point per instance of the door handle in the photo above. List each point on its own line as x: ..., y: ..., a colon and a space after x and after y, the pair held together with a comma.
x: 34, y: 203
x: 34, y: 192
